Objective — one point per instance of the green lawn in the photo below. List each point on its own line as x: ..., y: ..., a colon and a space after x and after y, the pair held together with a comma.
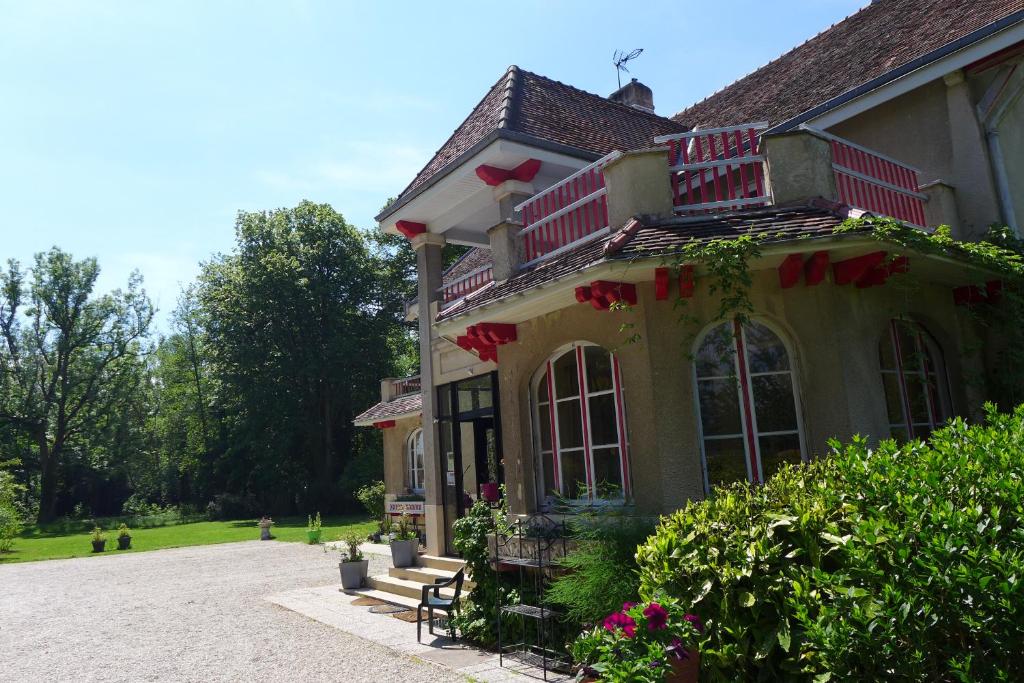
x: 50, y: 543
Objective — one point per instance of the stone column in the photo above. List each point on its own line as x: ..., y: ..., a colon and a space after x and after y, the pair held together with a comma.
x: 799, y: 167
x: 506, y: 247
x: 940, y: 209
x: 638, y: 184
x: 972, y: 175
x: 429, y: 267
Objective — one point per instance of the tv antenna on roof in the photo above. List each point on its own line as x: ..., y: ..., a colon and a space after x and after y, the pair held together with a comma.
x: 620, y: 58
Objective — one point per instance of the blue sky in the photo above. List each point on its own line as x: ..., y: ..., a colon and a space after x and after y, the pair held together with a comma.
x: 134, y: 131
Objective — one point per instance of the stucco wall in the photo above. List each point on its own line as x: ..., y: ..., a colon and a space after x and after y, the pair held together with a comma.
x: 396, y: 469
x: 1011, y: 138
x: 832, y: 334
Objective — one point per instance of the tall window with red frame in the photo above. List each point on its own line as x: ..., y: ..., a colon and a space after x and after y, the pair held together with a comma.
x: 580, y: 425
x: 749, y: 405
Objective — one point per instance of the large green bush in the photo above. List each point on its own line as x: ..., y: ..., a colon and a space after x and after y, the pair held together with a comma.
x: 900, y: 563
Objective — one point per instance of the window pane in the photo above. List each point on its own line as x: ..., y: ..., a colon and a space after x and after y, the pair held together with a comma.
x: 773, y: 402
x: 574, y: 474
x: 716, y: 356
x: 566, y: 380
x: 893, y: 402
x: 886, y: 356
x: 898, y: 433
x: 607, y: 472
x: 598, y: 363
x: 719, y: 407
x: 726, y: 461
x: 777, y: 450
x: 570, y: 426
x: 603, y: 421
x: 475, y: 393
x: 542, y: 388
x: 765, y: 352
x: 549, y: 474
x: 916, y: 398
x: 444, y: 400
x: 544, y: 425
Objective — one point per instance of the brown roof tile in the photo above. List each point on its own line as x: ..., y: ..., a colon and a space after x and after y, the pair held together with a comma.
x: 531, y: 107
x: 659, y: 238
x: 402, y: 406
x: 875, y: 41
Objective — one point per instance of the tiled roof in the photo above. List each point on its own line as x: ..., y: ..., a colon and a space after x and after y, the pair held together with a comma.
x: 474, y: 259
x: 660, y: 237
x: 531, y: 108
x: 403, y: 406
x: 868, y: 45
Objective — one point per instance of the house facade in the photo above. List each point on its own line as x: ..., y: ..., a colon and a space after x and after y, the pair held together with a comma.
x: 587, y: 350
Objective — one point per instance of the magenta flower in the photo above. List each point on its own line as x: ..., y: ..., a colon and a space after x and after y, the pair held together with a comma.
x: 622, y: 621
x: 697, y: 623
x: 626, y: 606
x: 677, y: 649
x: 657, y: 617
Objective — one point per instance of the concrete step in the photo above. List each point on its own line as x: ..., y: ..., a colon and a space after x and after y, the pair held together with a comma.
x: 426, y: 575
x: 452, y: 564
x: 385, y: 596
x: 402, y: 587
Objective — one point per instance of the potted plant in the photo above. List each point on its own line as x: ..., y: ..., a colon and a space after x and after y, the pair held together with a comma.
x: 405, y: 543
x: 352, y: 566
x: 265, y: 524
x: 313, y: 529
x: 383, y: 531
x: 656, y: 641
x: 99, y: 540
x: 124, y: 539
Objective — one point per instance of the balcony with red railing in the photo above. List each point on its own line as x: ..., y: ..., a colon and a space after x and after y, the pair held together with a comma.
x: 467, y: 284
x: 405, y: 386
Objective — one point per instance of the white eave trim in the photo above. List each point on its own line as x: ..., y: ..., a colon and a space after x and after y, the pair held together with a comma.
x: 926, y: 74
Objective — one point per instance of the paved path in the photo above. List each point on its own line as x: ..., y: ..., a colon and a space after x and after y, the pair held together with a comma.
x: 184, y: 614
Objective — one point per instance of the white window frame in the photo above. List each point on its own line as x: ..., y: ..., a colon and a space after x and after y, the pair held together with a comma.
x: 416, y: 474
x: 745, y: 396
x: 549, y: 421
x: 937, y: 415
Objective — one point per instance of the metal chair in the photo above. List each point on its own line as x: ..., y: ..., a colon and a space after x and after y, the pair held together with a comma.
x: 432, y: 600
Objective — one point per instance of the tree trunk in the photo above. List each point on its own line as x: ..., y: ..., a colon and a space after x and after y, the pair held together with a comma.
x: 47, y: 480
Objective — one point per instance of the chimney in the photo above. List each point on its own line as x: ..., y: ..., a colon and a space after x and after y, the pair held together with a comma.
x: 636, y: 95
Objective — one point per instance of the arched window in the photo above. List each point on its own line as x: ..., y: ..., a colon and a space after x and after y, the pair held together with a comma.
x: 581, y: 426
x: 913, y: 377
x: 415, y: 460
x: 749, y: 409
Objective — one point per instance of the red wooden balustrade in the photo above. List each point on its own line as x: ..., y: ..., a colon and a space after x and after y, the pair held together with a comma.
x: 568, y: 212
x: 874, y: 182
x: 404, y: 386
x: 468, y: 283
x: 717, y: 169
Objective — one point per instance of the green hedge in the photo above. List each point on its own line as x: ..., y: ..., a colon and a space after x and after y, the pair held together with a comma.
x: 900, y: 563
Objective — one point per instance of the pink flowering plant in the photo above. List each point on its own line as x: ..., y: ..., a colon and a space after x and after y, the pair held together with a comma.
x: 638, y: 643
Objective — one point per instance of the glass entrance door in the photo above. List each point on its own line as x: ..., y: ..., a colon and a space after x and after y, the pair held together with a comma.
x: 470, y: 446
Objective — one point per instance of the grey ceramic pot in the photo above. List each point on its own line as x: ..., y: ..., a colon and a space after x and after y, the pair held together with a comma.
x: 403, y: 553
x: 353, y: 573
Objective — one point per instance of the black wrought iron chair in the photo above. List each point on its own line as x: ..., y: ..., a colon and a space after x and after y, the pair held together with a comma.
x: 432, y: 600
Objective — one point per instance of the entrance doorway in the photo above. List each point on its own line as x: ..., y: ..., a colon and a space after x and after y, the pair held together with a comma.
x: 470, y: 441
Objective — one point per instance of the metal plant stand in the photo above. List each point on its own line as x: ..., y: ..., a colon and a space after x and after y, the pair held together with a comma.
x: 527, y: 549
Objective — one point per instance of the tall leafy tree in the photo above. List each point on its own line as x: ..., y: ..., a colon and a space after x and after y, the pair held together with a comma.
x: 69, y: 358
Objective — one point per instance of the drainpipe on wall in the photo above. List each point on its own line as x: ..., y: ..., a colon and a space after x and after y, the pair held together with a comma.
x: 995, y: 152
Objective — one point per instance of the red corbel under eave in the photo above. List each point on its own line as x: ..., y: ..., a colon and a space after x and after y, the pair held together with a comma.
x: 384, y: 424
x: 686, y: 282
x: 494, y: 176
x: 660, y: 284
x: 583, y: 294
x: 816, y: 268
x: 604, y: 293
x: 968, y: 295
x: 790, y: 269
x: 855, y: 268
x: 410, y: 228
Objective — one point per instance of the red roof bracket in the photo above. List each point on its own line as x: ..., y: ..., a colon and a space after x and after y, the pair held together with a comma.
x: 817, y: 266
x: 526, y: 171
x: 852, y: 270
x: 410, y: 228
x: 384, y: 424
x: 994, y: 290
x: 969, y: 295
x: 790, y: 270
x: 660, y: 284
x: 875, y: 276
x: 494, y: 176
x: 686, y: 285
x: 603, y: 293
x: 583, y: 294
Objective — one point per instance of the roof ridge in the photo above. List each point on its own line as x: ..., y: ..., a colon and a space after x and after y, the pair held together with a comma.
x: 508, y: 101
x: 817, y: 35
x: 605, y: 100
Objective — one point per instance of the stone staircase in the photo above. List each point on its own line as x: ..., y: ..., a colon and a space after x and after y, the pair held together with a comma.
x: 404, y: 585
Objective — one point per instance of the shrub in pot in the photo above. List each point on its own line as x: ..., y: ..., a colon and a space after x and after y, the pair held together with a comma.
x: 644, y: 642
x: 405, y: 543
x: 99, y: 540
x: 352, y: 566
x: 124, y: 539
x: 313, y: 530
x: 265, y: 524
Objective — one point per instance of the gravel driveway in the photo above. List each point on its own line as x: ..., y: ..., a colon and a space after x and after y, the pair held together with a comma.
x: 183, y: 614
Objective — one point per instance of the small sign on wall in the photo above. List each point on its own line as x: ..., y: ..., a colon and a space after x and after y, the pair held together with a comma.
x: 409, y: 507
